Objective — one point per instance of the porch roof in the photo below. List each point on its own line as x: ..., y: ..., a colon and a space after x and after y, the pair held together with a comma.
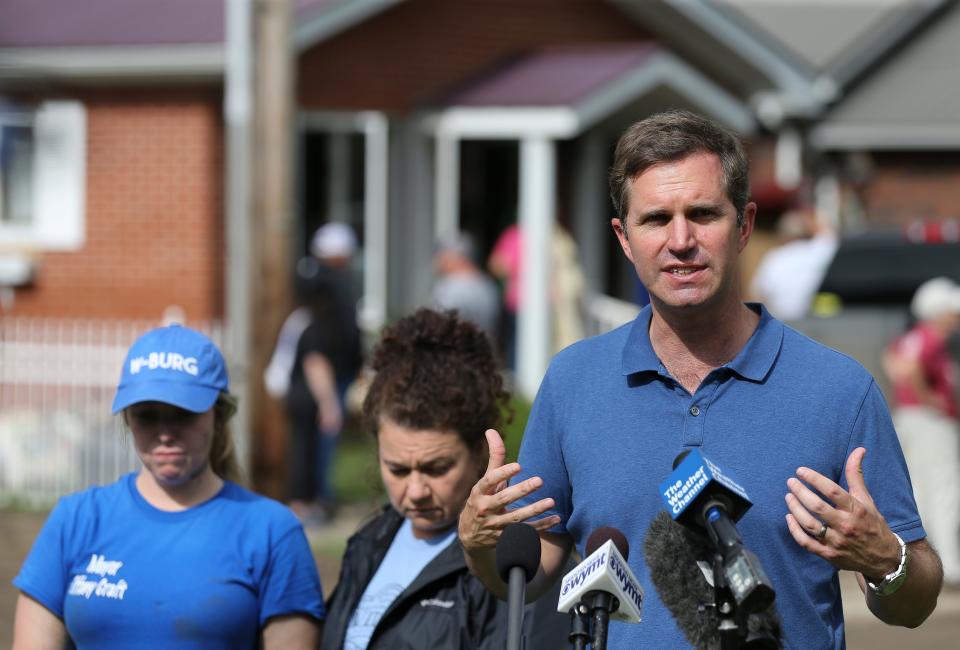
x: 97, y: 39
x: 558, y: 76
x: 105, y: 23
x: 562, y: 91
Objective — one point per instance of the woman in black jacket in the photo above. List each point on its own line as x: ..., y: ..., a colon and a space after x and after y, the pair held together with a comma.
x: 403, y: 582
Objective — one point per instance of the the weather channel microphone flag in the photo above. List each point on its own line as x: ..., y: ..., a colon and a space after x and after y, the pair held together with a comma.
x: 697, y: 477
x: 604, y: 570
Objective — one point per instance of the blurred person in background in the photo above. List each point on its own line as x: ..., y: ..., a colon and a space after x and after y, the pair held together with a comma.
x: 326, y: 362
x: 788, y: 276
x: 924, y: 380
x: 403, y: 581
x: 176, y: 555
x: 462, y: 286
x: 316, y: 358
x: 329, y: 263
x: 505, y: 264
x: 567, y: 287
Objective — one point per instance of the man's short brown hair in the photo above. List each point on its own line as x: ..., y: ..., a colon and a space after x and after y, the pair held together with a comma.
x: 671, y: 136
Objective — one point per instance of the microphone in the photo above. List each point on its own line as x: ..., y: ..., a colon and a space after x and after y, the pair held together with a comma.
x: 699, y: 495
x: 678, y: 559
x: 604, y: 583
x: 518, y: 558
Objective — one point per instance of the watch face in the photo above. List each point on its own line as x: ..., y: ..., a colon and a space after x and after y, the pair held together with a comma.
x: 887, y: 587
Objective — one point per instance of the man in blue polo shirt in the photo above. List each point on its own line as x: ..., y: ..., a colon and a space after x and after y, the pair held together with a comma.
x: 804, y: 428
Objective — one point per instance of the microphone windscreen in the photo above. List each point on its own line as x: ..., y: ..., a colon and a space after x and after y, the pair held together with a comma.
x: 519, y: 545
x: 671, y: 552
x: 600, y: 536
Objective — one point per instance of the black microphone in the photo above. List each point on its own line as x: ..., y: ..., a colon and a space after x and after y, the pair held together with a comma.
x: 700, y: 495
x: 518, y: 558
x: 602, y: 603
x: 678, y: 559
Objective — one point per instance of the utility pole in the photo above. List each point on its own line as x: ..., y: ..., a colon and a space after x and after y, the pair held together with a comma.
x: 270, y: 252
x: 237, y: 115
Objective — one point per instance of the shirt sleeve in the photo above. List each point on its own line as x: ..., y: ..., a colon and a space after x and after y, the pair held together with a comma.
x: 313, y: 340
x: 291, y: 584
x: 43, y: 575
x: 541, y: 454
x: 884, y: 468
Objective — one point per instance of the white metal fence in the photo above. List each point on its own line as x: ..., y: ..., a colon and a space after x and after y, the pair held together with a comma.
x: 604, y: 313
x: 57, y: 380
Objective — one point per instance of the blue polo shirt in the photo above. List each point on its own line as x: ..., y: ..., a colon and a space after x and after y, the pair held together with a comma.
x: 609, y: 419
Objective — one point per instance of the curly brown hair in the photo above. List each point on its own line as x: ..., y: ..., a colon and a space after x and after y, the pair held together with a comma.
x: 435, y: 372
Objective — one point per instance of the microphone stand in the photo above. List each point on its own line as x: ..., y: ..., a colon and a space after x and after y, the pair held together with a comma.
x: 579, y: 627
x: 725, y: 606
x: 602, y: 604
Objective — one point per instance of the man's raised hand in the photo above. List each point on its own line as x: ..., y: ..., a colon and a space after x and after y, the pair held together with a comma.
x: 485, y: 514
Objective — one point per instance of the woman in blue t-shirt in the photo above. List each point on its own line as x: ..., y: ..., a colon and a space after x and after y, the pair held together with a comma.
x: 176, y: 555
x: 404, y: 582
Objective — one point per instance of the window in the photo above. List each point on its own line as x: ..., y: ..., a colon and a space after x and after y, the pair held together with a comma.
x: 16, y: 170
x: 42, y: 176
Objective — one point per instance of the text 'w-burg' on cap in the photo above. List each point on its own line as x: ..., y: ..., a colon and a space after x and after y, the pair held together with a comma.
x: 174, y: 365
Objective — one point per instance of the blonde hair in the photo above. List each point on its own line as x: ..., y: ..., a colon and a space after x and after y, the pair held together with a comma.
x: 223, y: 452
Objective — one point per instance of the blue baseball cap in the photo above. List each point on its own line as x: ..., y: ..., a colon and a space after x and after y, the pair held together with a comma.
x: 175, y: 365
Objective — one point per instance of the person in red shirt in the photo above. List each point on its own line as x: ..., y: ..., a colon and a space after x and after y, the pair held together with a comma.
x: 924, y: 381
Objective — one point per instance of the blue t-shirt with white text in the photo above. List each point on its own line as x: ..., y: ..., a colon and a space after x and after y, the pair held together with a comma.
x: 123, y: 574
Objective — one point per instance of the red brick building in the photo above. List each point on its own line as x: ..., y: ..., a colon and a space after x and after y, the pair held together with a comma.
x: 414, y: 117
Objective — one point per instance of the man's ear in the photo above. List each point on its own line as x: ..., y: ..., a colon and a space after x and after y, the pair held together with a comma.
x: 621, y: 234
x: 746, y: 228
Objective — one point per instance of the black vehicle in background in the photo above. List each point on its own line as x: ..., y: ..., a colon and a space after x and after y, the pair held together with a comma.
x: 864, y: 299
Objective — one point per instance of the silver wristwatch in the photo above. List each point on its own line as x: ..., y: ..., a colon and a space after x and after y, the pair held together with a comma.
x: 892, y: 581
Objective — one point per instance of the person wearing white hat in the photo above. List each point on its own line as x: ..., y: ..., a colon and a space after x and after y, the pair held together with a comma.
x: 177, y: 554
x: 924, y: 380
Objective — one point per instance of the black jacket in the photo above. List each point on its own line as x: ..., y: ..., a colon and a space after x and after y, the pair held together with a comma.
x: 444, y: 608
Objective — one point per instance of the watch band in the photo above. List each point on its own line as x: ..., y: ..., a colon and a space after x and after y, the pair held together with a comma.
x: 892, y: 581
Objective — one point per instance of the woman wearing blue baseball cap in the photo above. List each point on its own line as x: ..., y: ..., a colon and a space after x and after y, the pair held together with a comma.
x: 176, y: 555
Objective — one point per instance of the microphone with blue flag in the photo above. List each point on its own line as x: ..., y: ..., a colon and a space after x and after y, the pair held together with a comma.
x: 700, y: 495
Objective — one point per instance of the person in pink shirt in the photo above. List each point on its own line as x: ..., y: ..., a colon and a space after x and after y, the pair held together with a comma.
x: 924, y: 381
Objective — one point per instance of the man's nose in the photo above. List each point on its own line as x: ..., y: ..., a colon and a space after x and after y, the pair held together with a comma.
x: 681, y: 237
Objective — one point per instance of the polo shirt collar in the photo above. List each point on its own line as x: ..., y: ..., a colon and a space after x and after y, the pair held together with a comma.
x: 753, y: 362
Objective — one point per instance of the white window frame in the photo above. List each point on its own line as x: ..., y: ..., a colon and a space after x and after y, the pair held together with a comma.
x: 59, y: 182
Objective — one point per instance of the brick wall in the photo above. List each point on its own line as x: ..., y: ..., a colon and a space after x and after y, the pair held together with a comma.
x: 417, y: 49
x: 154, y: 206
x: 904, y: 187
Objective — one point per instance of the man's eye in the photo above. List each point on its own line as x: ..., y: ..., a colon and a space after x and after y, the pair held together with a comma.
x: 436, y: 470
x: 399, y: 472
x: 655, y: 220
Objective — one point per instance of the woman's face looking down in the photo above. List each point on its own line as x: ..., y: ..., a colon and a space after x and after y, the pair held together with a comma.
x: 428, y: 475
x: 173, y: 443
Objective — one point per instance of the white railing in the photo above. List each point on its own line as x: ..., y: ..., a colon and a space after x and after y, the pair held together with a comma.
x: 57, y: 381
x: 604, y: 313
